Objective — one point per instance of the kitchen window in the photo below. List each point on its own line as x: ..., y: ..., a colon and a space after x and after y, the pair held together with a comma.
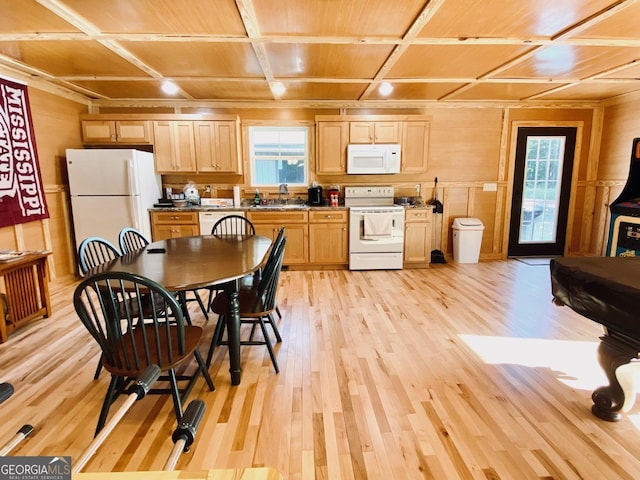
x: 279, y: 155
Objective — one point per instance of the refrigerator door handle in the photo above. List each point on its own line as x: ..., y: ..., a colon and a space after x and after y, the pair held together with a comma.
x: 134, y: 201
x: 131, y: 177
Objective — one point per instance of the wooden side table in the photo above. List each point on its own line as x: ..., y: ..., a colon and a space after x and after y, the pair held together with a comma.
x: 26, y: 283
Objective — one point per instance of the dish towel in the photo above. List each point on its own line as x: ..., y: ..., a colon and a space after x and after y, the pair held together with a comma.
x: 377, y: 225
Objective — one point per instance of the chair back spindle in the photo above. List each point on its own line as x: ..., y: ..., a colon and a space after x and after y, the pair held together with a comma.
x: 131, y: 240
x: 233, y: 225
x: 94, y: 251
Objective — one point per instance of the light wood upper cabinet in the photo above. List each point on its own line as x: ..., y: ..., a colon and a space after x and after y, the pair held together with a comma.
x: 217, y: 147
x: 174, y: 146
x: 415, y: 147
x: 418, y: 230
x: 103, y: 132
x: 374, y: 132
x: 332, y: 140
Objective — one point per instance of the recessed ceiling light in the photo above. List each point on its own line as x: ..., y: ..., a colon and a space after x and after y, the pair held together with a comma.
x: 169, y: 88
x: 278, y: 88
x: 385, y: 88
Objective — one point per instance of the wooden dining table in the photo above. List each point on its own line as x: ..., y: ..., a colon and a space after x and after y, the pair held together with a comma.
x: 189, y: 263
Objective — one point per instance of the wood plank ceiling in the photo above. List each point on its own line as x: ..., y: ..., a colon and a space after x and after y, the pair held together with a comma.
x: 326, y: 52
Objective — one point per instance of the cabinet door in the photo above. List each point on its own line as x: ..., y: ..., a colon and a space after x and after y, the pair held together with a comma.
x: 216, y: 147
x: 374, y: 132
x: 136, y: 132
x: 133, y: 131
x: 417, y: 236
x: 227, y: 147
x: 415, y: 147
x: 163, y: 147
x: 328, y: 243
x: 296, y: 223
x: 185, y: 146
x: 386, y: 132
x: 162, y: 232
x: 297, y: 249
x: 361, y: 132
x: 332, y: 139
x: 174, y: 146
x: 98, y: 131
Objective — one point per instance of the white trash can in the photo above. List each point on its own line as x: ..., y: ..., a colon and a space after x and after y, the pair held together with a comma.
x: 467, y: 238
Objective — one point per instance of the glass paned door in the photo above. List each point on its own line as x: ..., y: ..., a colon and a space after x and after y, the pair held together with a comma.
x: 542, y: 180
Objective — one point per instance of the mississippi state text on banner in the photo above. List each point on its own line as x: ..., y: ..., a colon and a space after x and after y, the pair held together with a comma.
x: 21, y: 195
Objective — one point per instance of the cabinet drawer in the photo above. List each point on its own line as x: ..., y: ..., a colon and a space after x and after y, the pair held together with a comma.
x: 298, y: 216
x: 328, y: 216
x: 175, y: 218
x: 418, y: 215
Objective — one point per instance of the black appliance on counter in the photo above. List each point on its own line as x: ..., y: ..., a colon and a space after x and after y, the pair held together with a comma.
x: 315, y: 196
x: 624, y: 228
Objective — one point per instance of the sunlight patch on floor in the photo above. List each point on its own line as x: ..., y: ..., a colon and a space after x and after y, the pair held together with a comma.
x: 575, y: 363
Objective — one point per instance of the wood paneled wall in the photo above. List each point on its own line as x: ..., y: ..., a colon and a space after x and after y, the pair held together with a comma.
x: 56, y: 128
x: 469, y: 146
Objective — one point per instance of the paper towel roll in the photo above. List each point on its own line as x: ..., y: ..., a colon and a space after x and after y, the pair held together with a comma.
x: 236, y: 196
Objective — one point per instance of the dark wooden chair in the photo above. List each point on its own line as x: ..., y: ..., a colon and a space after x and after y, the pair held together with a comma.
x: 233, y: 225
x: 131, y: 240
x: 109, y: 305
x: 256, y: 304
x: 94, y: 251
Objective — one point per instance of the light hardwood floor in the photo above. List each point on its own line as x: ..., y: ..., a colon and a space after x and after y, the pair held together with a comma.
x: 458, y: 371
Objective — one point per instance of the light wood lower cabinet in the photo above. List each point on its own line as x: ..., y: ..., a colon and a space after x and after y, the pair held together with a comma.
x: 418, y: 230
x: 296, y: 224
x: 314, y: 237
x: 174, y: 224
x: 328, y: 237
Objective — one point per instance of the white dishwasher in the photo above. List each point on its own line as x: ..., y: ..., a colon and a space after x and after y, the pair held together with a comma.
x: 208, y: 219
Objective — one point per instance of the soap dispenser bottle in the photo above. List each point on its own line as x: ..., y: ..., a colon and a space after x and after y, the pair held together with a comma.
x: 256, y: 198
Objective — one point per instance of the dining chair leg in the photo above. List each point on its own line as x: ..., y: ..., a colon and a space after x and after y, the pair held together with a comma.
x: 96, y: 375
x: 202, y: 307
x: 278, y: 312
x: 182, y: 299
x: 108, y: 400
x: 175, y: 393
x: 276, y: 332
x: 205, y: 371
x: 267, y: 342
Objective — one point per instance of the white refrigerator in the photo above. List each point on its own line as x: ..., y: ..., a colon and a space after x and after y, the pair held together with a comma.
x: 111, y: 189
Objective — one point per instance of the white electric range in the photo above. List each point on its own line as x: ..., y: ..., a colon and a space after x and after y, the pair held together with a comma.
x: 376, y: 228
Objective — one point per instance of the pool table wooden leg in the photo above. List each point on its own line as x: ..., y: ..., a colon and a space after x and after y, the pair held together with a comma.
x: 609, y: 400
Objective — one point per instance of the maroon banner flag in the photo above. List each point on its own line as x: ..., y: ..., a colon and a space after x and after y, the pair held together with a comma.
x: 21, y: 194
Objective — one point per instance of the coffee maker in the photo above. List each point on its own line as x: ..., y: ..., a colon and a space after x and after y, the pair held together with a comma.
x: 315, y: 195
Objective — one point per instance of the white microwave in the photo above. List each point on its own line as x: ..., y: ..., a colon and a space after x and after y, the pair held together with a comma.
x: 373, y: 158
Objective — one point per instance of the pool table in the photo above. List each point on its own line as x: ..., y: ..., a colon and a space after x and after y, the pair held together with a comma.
x: 605, y: 290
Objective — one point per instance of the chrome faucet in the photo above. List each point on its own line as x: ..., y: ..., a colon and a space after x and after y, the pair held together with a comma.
x: 283, y: 189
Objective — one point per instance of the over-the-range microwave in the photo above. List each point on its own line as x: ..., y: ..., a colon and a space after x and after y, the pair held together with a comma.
x: 373, y: 158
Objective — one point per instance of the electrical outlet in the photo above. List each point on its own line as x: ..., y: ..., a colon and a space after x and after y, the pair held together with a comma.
x: 207, y: 189
x: 490, y: 187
